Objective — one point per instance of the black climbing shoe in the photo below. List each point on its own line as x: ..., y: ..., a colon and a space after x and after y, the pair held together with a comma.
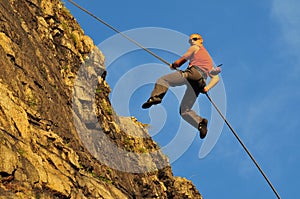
x: 151, y: 101
x: 202, y: 127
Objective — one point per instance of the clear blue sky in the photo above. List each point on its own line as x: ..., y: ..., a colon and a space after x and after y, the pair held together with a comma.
x: 258, y: 43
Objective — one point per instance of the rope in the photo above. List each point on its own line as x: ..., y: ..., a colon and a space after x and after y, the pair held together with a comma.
x: 209, y: 98
x: 117, y: 31
x: 244, y: 146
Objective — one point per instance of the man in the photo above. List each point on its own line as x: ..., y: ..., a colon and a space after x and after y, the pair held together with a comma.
x: 194, y: 77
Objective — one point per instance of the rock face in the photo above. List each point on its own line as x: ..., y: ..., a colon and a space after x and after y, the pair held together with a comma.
x: 58, y: 137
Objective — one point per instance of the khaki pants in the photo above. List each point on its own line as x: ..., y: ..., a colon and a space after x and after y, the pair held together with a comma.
x: 195, y: 83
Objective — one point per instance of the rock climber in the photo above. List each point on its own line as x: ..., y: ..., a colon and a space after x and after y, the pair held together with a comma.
x: 194, y: 77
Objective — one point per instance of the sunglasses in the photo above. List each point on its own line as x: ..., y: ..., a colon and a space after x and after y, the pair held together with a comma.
x: 194, y: 39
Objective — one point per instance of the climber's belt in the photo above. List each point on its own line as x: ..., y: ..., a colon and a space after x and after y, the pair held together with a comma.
x: 203, y: 74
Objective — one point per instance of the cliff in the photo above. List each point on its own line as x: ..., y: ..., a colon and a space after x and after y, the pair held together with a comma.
x: 59, y: 135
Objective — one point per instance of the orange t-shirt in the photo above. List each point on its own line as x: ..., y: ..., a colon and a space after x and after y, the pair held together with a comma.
x: 202, y: 59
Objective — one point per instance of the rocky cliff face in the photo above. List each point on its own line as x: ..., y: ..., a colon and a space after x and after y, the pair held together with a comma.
x: 59, y: 136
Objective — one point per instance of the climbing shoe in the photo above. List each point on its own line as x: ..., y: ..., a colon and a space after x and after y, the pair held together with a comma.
x: 151, y: 101
x: 202, y: 127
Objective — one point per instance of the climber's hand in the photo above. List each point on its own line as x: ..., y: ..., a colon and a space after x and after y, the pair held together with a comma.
x: 173, y: 66
x: 205, y: 89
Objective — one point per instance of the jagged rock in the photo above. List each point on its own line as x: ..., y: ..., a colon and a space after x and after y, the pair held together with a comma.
x: 56, y: 128
x: 8, y: 162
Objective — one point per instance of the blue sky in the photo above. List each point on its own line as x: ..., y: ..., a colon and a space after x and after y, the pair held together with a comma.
x: 258, y: 43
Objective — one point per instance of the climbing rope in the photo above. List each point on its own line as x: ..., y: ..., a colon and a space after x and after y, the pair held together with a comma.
x: 244, y: 146
x: 117, y: 31
x: 209, y: 98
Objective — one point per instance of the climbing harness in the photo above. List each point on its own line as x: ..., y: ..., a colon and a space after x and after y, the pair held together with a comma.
x: 209, y: 98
